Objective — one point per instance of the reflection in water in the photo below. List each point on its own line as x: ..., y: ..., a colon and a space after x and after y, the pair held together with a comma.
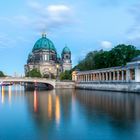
x: 3, y: 94
x: 69, y: 114
x: 10, y: 92
x: 35, y: 101
x: 49, y: 106
x: 6, y: 93
x: 45, y: 104
x: 119, y: 105
x: 57, y: 109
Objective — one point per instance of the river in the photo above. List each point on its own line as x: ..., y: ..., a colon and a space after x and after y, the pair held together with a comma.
x: 68, y: 115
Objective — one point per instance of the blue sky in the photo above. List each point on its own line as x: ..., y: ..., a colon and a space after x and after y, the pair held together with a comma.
x: 83, y: 25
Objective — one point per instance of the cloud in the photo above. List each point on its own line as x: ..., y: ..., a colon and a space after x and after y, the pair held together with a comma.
x: 43, y: 18
x: 48, y: 17
x: 106, y: 44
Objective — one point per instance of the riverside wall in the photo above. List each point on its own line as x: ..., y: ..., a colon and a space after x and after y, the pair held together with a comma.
x: 65, y: 85
x: 110, y: 86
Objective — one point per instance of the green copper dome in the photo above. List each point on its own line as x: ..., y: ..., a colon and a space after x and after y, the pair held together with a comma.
x: 44, y: 44
x: 66, y: 50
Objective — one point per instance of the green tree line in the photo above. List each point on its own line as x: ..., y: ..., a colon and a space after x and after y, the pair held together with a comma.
x: 118, y: 56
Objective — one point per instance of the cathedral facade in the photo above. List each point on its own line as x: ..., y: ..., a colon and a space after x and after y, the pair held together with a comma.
x: 45, y: 58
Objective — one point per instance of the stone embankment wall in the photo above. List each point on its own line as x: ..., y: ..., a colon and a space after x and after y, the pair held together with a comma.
x: 64, y: 85
x: 109, y: 86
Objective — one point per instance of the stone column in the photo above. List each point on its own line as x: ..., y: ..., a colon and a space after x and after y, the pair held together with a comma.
x: 106, y: 76
x: 110, y: 76
x: 122, y: 75
x: 118, y: 75
x: 114, y: 78
x: 103, y: 76
x: 99, y: 76
x: 128, y: 75
x: 137, y: 74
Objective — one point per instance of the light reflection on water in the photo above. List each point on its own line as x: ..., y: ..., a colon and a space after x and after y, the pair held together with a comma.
x: 68, y: 115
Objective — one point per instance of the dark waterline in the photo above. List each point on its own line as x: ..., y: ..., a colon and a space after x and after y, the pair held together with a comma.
x: 68, y: 115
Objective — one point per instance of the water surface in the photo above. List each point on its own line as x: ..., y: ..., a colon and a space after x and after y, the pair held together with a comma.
x: 68, y: 115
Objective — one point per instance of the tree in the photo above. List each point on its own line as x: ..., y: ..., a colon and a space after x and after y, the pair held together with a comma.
x: 34, y: 73
x: 2, y: 74
x: 122, y: 54
x: 118, y: 56
x: 66, y: 75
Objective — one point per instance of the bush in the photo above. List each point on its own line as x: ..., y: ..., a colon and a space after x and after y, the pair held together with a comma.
x: 66, y: 75
x: 34, y: 73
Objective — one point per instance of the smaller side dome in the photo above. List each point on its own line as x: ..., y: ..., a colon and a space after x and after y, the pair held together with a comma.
x: 137, y: 58
x: 66, y: 50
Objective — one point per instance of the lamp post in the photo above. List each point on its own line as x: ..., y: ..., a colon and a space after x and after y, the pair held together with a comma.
x: 57, y: 76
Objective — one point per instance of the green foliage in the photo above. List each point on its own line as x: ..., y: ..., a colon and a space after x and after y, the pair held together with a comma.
x: 51, y: 75
x: 2, y: 74
x: 34, y: 73
x: 66, y: 75
x: 118, y: 56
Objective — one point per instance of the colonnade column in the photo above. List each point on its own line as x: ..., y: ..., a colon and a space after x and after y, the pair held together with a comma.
x: 106, y: 76
x: 99, y: 76
x: 122, y: 75
x: 128, y: 75
x: 118, y: 75
x: 114, y: 76
x: 109, y: 76
x: 137, y: 74
x: 103, y: 76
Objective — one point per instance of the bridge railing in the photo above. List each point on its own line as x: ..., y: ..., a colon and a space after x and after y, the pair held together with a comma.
x: 28, y: 78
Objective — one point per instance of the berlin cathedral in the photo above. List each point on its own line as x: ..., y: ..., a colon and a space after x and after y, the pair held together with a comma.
x: 45, y: 58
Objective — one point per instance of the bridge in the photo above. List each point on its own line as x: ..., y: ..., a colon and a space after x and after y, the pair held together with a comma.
x: 51, y: 82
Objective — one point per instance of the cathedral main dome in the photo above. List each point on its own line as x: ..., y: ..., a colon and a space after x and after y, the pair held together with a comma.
x: 44, y: 44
